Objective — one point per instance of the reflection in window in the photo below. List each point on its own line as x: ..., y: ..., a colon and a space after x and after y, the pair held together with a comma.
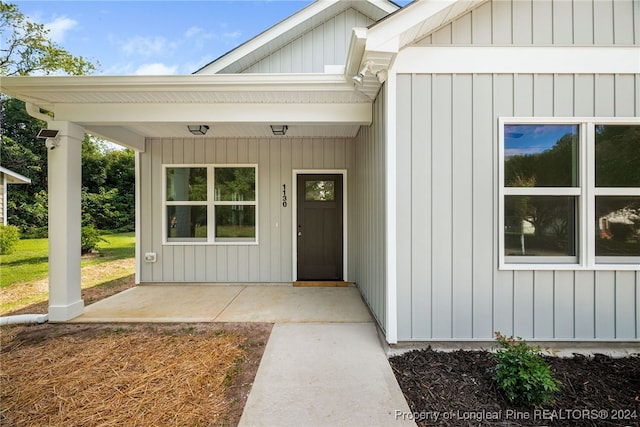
x: 187, y: 222
x: 540, y: 155
x: 186, y: 184
x: 235, y: 184
x: 618, y: 226
x: 235, y: 222
x: 320, y: 191
x: 540, y: 226
x: 617, y: 155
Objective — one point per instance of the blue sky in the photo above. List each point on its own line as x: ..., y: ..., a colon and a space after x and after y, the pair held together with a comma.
x: 533, y: 139
x: 155, y: 37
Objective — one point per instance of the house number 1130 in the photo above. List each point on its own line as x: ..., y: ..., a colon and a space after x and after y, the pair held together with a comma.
x: 284, y: 195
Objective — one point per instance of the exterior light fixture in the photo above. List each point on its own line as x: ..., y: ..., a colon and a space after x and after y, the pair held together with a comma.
x: 366, y: 68
x: 279, y: 130
x: 198, y: 129
x: 50, y: 136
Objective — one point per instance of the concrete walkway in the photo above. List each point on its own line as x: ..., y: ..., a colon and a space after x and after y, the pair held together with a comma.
x: 324, y: 364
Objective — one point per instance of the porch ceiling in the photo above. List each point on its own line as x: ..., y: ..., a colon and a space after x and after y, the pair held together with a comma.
x: 126, y: 108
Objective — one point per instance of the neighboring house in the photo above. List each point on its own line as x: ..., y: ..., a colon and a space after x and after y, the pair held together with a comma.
x: 8, y: 177
x: 391, y: 148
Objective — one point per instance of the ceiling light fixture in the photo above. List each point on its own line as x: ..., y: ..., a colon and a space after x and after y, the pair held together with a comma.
x: 279, y: 130
x: 198, y: 129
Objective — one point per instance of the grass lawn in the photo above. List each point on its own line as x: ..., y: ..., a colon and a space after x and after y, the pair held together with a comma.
x: 30, y: 259
x: 23, y: 276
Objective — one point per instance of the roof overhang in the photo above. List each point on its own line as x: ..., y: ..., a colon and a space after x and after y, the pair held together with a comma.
x: 380, y: 44
x: 12, y: 177
x: 126, y: 109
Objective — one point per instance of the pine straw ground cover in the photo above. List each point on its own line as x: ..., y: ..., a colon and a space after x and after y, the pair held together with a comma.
x: 125, y: 374
x: 456, y: 389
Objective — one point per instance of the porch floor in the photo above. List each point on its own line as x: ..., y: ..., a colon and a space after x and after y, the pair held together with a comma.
x: 323, y: 365
x: 277, y: 303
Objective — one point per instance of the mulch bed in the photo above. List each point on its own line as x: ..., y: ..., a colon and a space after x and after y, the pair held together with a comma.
x: 456, y: 389
x: 128, y: 374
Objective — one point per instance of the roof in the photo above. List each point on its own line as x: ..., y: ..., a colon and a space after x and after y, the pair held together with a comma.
x: 290, y: 29
x: 13, y: 177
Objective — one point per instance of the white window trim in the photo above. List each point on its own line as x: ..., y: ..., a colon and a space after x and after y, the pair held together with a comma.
x: 211, y: 203
x: 586, y: 193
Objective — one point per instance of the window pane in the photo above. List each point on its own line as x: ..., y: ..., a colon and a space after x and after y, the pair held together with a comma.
x: 186, y: 184
x: 541, y: 155
x: 235, y: 184
x: 321, y: 191
x: 235, y: 221
x: 187, y: 222
x: 617, y: 156
x: 540, y: 226
x: 617, y: 226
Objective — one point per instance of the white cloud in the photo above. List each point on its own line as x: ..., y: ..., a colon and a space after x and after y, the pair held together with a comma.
x: 156, y: 69
x: 146, y: 46
x: 58, y: 28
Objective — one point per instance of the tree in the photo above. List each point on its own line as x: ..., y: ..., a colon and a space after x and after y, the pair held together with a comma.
x: 25, y: 48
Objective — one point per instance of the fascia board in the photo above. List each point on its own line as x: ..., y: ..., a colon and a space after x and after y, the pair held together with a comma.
x: 10, y: 85
x: 356, y: 51
x: 108, y: 114
x: 385, y: 35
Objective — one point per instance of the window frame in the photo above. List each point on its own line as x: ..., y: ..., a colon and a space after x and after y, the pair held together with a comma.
x: 586, y: 193
x: 211, y: 204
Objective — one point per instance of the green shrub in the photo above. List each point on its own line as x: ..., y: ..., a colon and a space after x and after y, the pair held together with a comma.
x: 90, y: 239
x: 522, y: 373
x: 9, y: 236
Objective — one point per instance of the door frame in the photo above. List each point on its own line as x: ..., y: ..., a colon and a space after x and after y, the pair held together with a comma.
x: 294, y: 217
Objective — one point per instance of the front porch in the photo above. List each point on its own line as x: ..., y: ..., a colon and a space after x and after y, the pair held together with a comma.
x: 272, y: 303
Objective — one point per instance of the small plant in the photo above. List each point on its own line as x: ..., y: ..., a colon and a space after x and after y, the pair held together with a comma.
x: 522, y: 373
x: 90, y: 239
x: 9, y: 236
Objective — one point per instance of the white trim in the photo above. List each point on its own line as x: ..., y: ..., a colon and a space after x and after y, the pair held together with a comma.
x: 210, y: 113
x: 391, y: 232
x: 294, y: 218
x: 586, y: 194
x: 17, y: 178
x: 138, y: 221
x: 210, y: 203
x: 519, y: 59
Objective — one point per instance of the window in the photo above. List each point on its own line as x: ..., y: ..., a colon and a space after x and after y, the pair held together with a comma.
x: 199, y: 196
x: 569, y: 193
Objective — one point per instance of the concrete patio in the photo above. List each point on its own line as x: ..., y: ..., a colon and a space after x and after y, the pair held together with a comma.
x: 324, y: 364
x: 272, y: 303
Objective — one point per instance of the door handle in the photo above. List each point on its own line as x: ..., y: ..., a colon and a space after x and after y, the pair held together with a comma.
x: 299, y: 233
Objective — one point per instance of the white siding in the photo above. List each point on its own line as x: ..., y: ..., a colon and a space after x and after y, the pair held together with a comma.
x: 326, y: 44
x: 271, y: 259
x: 449, y: 286
x: 368, y: 198
x: 544, y: 22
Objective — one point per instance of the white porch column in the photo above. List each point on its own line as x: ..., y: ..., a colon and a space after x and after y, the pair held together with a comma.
x: 65, y: 185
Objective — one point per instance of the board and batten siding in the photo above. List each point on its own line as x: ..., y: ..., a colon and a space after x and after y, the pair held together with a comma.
x: 540, y: 23
x: 449, y: 286
x: 268, y: 261
x: 369, y: 199
x: 326, y: 44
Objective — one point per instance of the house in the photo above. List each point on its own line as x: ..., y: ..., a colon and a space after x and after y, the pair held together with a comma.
x: 394, y: 148
x: 8, y: 177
